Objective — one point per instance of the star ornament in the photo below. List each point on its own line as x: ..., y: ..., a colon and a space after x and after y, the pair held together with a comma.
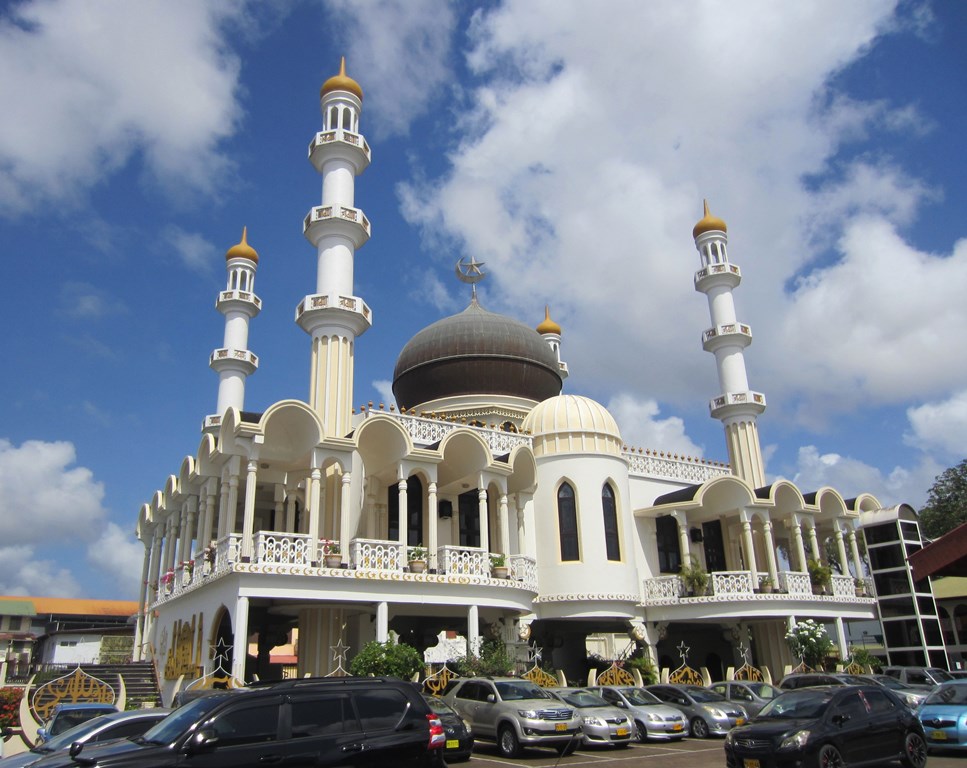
x: 339, y: 651
x: 535, y: 653
x: 683, y: 650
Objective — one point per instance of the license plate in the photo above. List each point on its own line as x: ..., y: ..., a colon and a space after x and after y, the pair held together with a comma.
x: 453, y: 744
x: 748, y: 763
x: 621, y: 732
x: 678, y: 726
x: 560, y: 727
x: 938, y: 736
x: 740, y: 721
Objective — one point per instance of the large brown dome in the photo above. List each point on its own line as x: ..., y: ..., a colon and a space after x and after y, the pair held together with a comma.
x: 475, y: 353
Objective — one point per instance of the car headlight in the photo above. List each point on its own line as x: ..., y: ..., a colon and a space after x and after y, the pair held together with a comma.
x: 467, y: 726
x: 795, y: 741
x: 530, y: 714
x: 653, y: 718
x: 718, y: 714
x: 591, y: 720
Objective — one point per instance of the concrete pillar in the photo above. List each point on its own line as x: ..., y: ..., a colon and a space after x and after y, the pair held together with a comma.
x: 315, y: 513
x: 240, y: 649
x: 248, y: 518
x: 402, y: 519
x: 771, y: 552
x: 382, y: 622
x: 433, y: 523
x: 841, y: 549
x: 503, y: 517
x: 345, y: 526
x: 799, y: 546
x: 484, y: 517
x: 473, y: 631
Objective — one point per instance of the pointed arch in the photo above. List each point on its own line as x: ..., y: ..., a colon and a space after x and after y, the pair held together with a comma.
x: 567, y: 522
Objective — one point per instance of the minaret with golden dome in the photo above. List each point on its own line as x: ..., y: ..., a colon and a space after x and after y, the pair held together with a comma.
x: 551, y: 333
x: 737, y: 407
x: 333, y: 316
x: 239, y: 304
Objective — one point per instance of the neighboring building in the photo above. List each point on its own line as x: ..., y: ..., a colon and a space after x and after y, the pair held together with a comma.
x: 305, y: 515
x: 35, y: 630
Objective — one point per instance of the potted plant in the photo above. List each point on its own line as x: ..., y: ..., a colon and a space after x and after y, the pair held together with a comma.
x: 860, y: 587
x: 330, y: 553
x: 820, y: 576
x: 765, y: 585
x: 694, y: 577
x: 416, y: 559
x: 498, y: 565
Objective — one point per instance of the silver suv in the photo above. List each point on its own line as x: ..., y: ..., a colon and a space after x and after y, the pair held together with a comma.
x: 515, y: 713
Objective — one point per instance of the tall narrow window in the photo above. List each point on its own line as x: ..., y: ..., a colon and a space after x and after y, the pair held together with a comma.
x: 610, y: 523
x: 414, y: 511
x: 469, y: 507
x: 567, y: 519
x: 669, y: 553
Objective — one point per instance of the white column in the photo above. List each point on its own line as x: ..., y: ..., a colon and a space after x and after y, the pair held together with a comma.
x: 800, y: 547
x: 345, y: 525
x: 855, y: 552
x: 401, y: 518
x: 240, y: 649
x: 484, y: 517
x: 771, y: 552
x: 315, y: 522
x: 433, y: 522
x: 814, y: 543
x: 223, y: 507
x: 473, y: 630
x: 232, y: 501
x: 683, y: 536
x: 248, y: 520
x: 290, y: 521
x: 841, y: 638
x: 749, y: 544
x: 841, y: 549
x: 521, y: 525
x: 382, y: 622
x: 142, y: 604
x: 503, y: 517
x: 206, y: 539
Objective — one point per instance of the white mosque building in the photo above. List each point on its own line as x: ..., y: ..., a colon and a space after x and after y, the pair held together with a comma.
x: 349, y: 525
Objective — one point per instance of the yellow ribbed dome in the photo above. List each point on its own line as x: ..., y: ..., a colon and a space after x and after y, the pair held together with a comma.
x: 571, y: 414
x: 548, y: 325
x: 242, y: 250
x: 709, y: 223
x: 341, y: 82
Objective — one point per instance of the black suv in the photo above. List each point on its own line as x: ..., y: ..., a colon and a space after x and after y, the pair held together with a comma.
x: 363, y: 722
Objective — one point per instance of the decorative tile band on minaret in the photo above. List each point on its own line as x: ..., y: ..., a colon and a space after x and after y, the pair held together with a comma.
x: 737, y: 407
x: 332, y: 316
x: 234, y: 363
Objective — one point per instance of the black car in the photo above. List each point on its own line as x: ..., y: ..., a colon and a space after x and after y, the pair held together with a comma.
x: 459, y: 737
x: 829, y: 727
x: 366, y: 722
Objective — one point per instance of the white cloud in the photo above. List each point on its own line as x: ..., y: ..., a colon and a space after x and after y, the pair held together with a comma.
x: 641, y: 429
x: 125, y: 564
x: 95, y: 84
x: 940, y: 426
x: 83, y: 300
x: 385, y: 389
x: 21, y: 573
x: 399, y: 49
x: 43, y: 498
x: 193, y: 250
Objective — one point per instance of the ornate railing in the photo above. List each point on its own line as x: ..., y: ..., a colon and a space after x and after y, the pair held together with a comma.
x: 425, y: 431
x: 733, y: 583
x: 843, y: 586
x: 664, y: 588
x: 283, y: 548
x: 463, y: 561
x: 523, y: 569
x: 376, y: 555
x: 227, y: 551
x: 795, y: 583
x: 688, y: 470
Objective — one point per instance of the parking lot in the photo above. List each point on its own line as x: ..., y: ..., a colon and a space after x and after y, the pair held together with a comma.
x: 688, y: 753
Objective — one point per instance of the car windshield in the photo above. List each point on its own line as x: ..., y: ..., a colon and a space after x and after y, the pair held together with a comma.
x: 948, y: 694
x: 439, y: 706
x: 892, y: 684
x: 763, y: 690
x: 797, y: 704
x: 940, y: 674
x: 583, y: 699
x: 703, y: 695
x: 639, y: 696
x: 169, y: 729
x: 521, y: 690
x: 68, y: 737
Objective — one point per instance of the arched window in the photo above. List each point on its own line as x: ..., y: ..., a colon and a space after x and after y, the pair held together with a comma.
x: 610, y: 511
x: 567, y: 519
x: 333, y: 119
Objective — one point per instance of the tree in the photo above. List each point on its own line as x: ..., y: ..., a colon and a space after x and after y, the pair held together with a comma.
x: 808, y: 640
x: 946, y: 506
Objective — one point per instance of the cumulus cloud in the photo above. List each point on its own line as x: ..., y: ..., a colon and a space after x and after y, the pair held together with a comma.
x: 83, y: 300
x: 941, y: 426
x: 94, y: 85
x: 125, y: 564
x: 21, y: 573
x: 640, y: 426
x: 194, y: 251
x: 399, y: 48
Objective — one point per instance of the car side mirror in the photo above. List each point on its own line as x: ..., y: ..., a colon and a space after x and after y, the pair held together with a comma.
x: 840, y: 719
x: 76, y: 748
x: 202, y: 740
x: 619, y: 704
x: 42, y: 734
x: 681, y: 701
x: 491, y: 698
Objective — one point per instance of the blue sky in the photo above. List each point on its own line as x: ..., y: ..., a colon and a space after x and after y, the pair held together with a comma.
x: 569, y: 151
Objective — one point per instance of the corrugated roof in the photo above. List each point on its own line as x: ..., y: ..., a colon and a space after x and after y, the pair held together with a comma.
x: 66, y: 606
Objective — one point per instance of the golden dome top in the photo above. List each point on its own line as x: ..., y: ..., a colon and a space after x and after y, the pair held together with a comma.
x: 341, y: 82
x: 548, y: 325
x: 242, y: 250
x: 708, y: 223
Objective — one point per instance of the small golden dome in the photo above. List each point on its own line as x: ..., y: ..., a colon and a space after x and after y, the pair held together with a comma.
x: 242, y: 250
x: 341, y: 82
x: 548, y: 325
x: 708, y: 223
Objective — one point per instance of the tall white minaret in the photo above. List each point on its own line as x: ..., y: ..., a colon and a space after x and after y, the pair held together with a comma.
x: 738, y: 406
x: 333, y: 316
x: 551, y: 332
x: 239, y: 304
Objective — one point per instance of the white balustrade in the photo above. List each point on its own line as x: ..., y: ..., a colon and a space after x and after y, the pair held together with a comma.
x: 733, y: 583
x: 843, y: 586
x: 523, y: 569
x: 795, y: 582
x: 227, y: 551
x: 664, y: 588
x: 376, y: 555
x: 272, y: 547
x: 464, y: 561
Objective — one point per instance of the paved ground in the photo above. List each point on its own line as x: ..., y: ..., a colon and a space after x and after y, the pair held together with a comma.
x: 688, y: 753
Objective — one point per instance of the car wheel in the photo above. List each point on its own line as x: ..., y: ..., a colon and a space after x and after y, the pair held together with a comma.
x: 566, y: 749
x: 914, y: 751
x: 829, y: 757
x: 699, y: 728
x: 507, y: 742
x: 641, y: 733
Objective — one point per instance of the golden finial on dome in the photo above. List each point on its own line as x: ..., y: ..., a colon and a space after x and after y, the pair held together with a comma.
x: 341, y: 82
x: 709, y: 223
x: 242, y: 250
x: 548, y: 325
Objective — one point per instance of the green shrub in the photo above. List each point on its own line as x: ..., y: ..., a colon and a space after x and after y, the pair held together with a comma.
x: 493, y: 660
x: 649, y: 675
x: 387, y: 659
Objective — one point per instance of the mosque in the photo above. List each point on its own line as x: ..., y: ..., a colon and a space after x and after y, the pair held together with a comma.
x: 483, y: 503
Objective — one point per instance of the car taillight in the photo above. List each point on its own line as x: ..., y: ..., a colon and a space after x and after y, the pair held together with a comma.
x: 438, y: 738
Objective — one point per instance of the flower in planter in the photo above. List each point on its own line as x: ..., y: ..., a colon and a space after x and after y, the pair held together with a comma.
x: 417, y: 553
x: 498, y: 560
x: 330, y: 547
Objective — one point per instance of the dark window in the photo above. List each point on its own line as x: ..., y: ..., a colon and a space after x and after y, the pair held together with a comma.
x: 926, y: 605
x: 879, y: 534
x: 890, y: 556
x: 567, y: 520
x: 669, y: 554
x: 414, y: 511
x: 610, y: 523
x: 901, y: 633
x: 879, y: 702
x: 123, y: 730
x: 896, y: 607
x: 381, y: 710
x: 894, y: 583
x: 850, y: 705
x: 247, y: 725
x: 469, y: 506
x: 910, y: 531
x: 932, y: 634
x: 322, y: 715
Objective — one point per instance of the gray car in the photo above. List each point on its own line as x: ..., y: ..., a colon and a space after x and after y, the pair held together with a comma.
x: 117, y: 725
x: 752, y: 696
x: 603, y: 724
x: 652, y: 719
x: 515, y: 713
x: 707, y: 711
